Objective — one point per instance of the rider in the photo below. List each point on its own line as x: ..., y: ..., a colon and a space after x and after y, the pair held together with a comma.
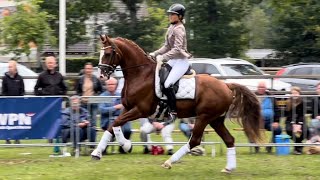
x: 175, y: 52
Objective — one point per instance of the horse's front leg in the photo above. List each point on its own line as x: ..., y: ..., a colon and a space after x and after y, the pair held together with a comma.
x: 126, y: 116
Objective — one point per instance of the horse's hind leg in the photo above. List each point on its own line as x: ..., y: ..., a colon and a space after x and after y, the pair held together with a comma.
x: 223, y: 132
x: 195, y: 140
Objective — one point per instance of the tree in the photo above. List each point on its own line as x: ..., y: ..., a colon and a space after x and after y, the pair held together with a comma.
x: 78, y: 11
x: 216, y: 27
x: 27, y: 24
x: 147, y: 32
x: 258, y: 24
x: 296, y: 30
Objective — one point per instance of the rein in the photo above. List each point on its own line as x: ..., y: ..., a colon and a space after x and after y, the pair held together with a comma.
x: 109, y: 69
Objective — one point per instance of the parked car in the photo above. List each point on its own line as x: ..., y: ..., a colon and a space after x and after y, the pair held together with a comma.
x: 301, y: 69
x: 23, y: 71
x: 236, y: 67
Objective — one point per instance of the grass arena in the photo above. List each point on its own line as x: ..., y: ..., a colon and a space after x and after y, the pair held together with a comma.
x: 35, y: 163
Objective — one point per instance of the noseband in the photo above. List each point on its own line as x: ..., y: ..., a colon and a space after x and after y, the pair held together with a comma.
x: 107, y: 69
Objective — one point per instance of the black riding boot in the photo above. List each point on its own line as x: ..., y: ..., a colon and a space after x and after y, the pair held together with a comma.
x: 169, y: 92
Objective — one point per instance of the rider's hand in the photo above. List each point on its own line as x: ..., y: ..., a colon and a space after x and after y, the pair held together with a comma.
x: 160, y: 58
x: 152, y: 54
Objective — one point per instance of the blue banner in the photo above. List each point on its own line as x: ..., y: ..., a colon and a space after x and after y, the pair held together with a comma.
x: 29, y: 117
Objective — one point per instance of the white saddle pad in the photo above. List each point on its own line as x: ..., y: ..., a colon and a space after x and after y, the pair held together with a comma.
x: 187, y: 86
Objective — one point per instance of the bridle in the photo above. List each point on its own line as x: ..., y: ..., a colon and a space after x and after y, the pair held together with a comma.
x: 107, y: 69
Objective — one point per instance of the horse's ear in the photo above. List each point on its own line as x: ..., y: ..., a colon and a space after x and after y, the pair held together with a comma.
x: 108, y: 38
x: 102, y: 38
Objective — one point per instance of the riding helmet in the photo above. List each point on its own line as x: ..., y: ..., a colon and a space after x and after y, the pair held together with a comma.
x: 178, y: 9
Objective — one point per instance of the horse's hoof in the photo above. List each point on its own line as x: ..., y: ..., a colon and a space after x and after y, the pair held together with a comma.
x: 130, y: 150
x: 95, y: 158
x: 167, y: 164
x: 96, y: 155
x: 127, y: 146
x: 227, y: 171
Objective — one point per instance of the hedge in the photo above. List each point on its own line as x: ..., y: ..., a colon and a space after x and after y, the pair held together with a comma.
x: 74, y: 65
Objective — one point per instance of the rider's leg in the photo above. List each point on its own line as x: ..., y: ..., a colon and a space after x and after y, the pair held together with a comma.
x: 179, y: 68
x: 169, y: 92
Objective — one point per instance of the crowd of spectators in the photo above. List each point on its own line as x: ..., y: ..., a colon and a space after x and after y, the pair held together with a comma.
x: 81, y: 115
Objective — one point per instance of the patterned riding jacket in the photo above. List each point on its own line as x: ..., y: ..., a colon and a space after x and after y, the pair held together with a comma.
x: 175, y: 46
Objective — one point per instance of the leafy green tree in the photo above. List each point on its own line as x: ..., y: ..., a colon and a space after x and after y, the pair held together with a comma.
x: 216, y: 27
x: 148, y: 32
x: 27, y: 24
x: 258, y: 24
x: 78, y: 11
x: 296, y: 30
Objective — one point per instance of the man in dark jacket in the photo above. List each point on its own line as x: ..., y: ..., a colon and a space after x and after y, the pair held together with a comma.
x: 50, y: 82
x: 12, y: 85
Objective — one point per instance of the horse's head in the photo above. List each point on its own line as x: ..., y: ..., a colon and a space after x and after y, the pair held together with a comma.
x: 110, y: 56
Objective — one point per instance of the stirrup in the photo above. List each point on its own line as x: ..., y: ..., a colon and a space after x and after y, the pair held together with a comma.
x: 172, y: 117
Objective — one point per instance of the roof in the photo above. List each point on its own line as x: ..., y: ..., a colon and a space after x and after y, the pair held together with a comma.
x: 81, y: 47
x: 309, y: 64
x: 260, y: 53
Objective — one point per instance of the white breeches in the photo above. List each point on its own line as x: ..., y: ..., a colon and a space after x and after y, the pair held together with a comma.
x: 179, y: 67
x: 147, y: 128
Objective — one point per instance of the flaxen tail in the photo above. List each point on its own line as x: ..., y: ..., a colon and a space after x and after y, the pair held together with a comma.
x: 247, y: 107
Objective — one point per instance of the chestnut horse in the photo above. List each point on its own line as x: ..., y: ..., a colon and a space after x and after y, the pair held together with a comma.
x: 213, y: 99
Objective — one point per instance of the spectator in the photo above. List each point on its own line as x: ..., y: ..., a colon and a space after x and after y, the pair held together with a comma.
x: 186, y: 125
x: 295, y: 121
x: 89, y: 85
x: 149, y: 125
x: 111, y: 110
x: 12, y: 85
x: 315, y: 125
x: 268, y: 111
x: 76, y: 117
x: 50, y: 82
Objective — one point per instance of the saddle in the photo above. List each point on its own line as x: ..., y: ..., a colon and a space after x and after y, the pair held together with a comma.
x: 164, y: 73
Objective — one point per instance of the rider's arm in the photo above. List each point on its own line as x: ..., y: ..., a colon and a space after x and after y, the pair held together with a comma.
x: 177, y: 48
x: 165, y: 48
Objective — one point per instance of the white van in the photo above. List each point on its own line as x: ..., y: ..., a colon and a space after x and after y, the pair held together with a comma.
x: 236, y: 67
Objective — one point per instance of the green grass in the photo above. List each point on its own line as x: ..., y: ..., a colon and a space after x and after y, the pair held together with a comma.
x: 38, y: 165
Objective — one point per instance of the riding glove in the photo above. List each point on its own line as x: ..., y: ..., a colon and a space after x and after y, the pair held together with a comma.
x: 160, y: 58
x: 152, y: 54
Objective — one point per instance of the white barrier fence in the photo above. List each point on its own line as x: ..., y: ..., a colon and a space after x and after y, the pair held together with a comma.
x: 99, y: 99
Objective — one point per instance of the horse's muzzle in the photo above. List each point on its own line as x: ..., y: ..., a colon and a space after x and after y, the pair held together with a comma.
x: 106, y: 70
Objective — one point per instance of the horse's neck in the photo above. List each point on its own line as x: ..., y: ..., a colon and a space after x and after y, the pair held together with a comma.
x: 137, y: 68
x: 139, y: 72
